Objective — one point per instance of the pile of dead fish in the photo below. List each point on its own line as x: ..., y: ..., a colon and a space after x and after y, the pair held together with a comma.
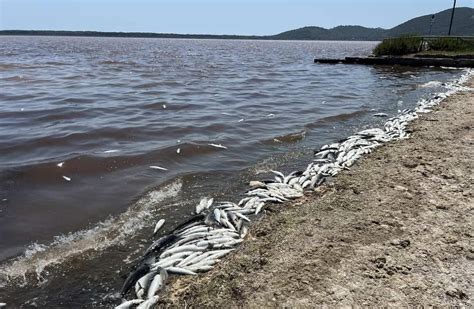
x: 216, y: 228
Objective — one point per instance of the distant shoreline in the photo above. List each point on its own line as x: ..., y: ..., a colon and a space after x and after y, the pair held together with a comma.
x: 128, y: 34
x: 153, y: 35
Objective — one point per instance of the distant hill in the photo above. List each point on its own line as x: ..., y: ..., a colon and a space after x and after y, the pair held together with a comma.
x: 341, y: 33
x: 463, y: 25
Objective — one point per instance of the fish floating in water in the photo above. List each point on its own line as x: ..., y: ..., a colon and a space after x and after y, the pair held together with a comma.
x: 218, y: 146
x: 217, y: 228
x: 156, y: 167
x: 158, y: 225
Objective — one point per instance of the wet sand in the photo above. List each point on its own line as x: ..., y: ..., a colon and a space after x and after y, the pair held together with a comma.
x: 395, y: 230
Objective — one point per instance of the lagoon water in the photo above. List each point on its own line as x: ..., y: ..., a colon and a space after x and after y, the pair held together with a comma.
x: 109, y: 108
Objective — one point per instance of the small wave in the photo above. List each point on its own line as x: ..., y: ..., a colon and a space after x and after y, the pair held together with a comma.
x: 287, y: 138
x: 146, y: 85
x: 19, y: 97
x: 56, y: 63
x: 258, y: 80
x: 65, y: 114
x: 15, y: 66
x: 75, y: 100
x: 116, y: 62
x: 431, y: 84
x: 113, y: 231
x: 8, y: 66
x: 336, y: 118
x: 16, y: 78
x: 169, y: 107
x: 254, y: 95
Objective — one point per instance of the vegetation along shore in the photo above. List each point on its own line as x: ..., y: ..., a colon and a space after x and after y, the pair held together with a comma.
x: 394, y: 230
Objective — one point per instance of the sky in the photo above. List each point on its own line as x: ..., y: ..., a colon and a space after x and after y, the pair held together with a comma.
x: 246, y: 17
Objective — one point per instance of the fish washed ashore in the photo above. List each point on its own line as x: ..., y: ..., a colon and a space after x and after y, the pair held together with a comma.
x: 396, y: 229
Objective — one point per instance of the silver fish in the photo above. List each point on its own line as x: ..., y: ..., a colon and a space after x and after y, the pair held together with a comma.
x: 180, y: 271
x: 157, y: 283
x: 128, y: 304
x: 158, y: 225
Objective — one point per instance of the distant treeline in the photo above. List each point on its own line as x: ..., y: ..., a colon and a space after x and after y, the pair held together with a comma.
x: 129, y: 34
x: 424, y: 25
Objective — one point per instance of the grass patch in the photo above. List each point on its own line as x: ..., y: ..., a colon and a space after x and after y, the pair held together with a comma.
x: 405, y: 45
x: 399, y: 46
x: 451, y: 45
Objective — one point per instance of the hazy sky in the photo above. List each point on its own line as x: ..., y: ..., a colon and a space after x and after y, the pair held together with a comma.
x: 211, y: 16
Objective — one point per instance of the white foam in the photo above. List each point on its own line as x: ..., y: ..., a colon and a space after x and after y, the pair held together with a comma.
x: 431, y: 84
x: 113, y: 231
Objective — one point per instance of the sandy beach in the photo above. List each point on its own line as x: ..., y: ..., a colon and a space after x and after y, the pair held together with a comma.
x: 397, y: 230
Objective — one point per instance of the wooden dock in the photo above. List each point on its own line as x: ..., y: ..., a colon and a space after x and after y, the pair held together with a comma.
x: 404, y: 61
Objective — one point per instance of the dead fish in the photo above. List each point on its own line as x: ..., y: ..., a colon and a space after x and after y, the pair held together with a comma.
x: 202, y: 205
x: 180, y: 271
x: 66, y: 178
x: 200, y: 268
x: 158, y: 282
x: 209, y: 202
x: 158, y: 225
x: 142, y: 284
x: 160, y: 244
x: 259, y: 208
x: 218, y: 146
x: 156, y: 167
x: 256, y: 184
x: 217, y: 215
x: 193, y: 220
x: 128, y: 304
x: 60, y: 164
x: 179, y: 249
x: 149, y: 303
x: 279, y: 174
x: 133, y: 277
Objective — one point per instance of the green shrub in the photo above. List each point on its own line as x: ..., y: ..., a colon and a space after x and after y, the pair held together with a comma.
x: 411, y: 44
x: 451, y: 44
x: 399, y: 46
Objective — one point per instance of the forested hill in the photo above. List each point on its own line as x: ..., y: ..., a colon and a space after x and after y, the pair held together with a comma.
x: 463, y: 25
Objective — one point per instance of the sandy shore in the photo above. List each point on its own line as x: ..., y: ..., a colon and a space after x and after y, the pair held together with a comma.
x: 395, y: 230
